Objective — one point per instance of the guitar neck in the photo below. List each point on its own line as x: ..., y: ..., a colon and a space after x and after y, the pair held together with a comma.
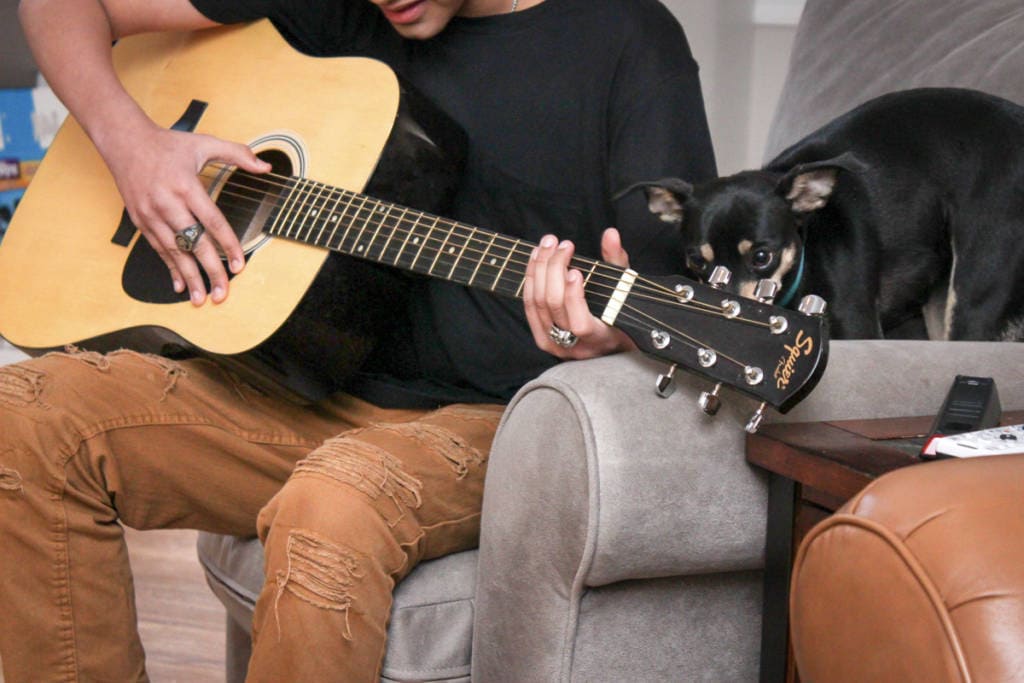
x: 364, y: 227
x: 767, y: 352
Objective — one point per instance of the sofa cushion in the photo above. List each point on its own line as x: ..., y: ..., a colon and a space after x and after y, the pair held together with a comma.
x: 431, y: 627
x: 846, y: 53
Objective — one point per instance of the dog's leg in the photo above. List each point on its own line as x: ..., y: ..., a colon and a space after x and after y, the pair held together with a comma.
x: 986, y: 301
x: 848, y: 281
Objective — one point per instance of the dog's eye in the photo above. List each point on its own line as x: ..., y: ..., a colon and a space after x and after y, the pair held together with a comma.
x: 761, y: 259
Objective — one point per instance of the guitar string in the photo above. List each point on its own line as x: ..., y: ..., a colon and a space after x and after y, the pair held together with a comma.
x: 628, y: 312
x: 292, y: 183
x: 672, y: 298
x: 638, y: 291
x: 401, y: 222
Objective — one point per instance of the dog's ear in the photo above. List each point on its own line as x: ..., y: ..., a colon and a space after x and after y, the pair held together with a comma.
x: 665, y: 197
x: 808, y: 186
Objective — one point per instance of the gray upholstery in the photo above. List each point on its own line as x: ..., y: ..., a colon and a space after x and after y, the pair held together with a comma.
x: 846, y: 53
x: 623, y: 534
x: 431, y: 619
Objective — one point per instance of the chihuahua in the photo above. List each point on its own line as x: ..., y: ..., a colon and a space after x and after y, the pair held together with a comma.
x: 906, y: 214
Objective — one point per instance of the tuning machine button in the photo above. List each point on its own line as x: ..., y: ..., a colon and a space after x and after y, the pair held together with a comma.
x: 766, y: 290
x: 812, y: 304
x: 719, y: 277
x: 709, y: 401
x: 755, y: 420
x: 665, y: 386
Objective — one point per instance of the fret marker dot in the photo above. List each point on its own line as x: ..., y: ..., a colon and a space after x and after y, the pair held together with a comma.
x: 451, y: 250
x: 416, y: 240
x: 359, y: 248
x: 334, y: 219
x: 493, y: 261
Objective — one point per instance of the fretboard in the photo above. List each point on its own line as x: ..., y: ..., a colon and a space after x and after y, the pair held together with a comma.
x: 412, y: 240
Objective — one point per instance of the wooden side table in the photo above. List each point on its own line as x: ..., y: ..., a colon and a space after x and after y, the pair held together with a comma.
x: 815, y: 468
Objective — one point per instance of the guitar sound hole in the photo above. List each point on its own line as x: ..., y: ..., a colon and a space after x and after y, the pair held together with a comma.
x: 247, y: 200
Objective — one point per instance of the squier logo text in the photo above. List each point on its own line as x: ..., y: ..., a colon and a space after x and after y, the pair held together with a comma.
x: 784, y: 370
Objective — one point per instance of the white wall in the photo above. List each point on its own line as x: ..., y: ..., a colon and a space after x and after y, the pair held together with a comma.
x: 743, y: 49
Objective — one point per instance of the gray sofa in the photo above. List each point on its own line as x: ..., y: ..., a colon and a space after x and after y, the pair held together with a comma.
x: 623, y: 534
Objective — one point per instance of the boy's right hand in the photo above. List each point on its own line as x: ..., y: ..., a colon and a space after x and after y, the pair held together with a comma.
x: 157, y: 173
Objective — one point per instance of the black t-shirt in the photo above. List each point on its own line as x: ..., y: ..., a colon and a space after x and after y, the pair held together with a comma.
x: 564, y: 104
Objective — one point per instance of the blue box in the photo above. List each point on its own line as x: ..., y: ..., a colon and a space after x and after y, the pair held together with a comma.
x: 29, y: 119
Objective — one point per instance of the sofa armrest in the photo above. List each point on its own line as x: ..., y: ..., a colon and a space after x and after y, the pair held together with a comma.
x: 594, y: 479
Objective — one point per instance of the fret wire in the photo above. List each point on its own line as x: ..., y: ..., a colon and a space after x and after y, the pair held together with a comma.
x: 339, y: 218
x: 331, y: 216
x: 423, y: 239
x: 391, y: 235
x: 522, y: 281
x: 481, y: 260
x: 377, y: 220
x: 283, y: 209
x: 405, y: 243
x: 311, y: 214
x: 300, y: 202
x: 440, y: 250
x: 367, y: 206
x: 462, y: 251
x: 501, y: 272
x: 343, y: 219
x: 352, y: 223
x: 460, y: 266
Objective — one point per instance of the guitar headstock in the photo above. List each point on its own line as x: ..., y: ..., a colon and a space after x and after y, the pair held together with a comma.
x: 773, y: 354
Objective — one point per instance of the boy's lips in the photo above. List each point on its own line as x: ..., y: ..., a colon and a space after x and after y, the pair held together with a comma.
x: 404, y: 12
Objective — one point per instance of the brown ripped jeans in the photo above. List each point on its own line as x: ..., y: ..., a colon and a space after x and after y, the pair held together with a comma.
x: 346, y: 497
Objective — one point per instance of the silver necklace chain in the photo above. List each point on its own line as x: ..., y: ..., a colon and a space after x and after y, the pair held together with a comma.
x: 515, y: 5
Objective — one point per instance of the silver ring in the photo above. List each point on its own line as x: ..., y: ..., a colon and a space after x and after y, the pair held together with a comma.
x: 188, y: 238
x: 563, y: 338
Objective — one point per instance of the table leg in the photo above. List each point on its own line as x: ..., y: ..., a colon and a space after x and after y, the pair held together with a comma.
x: 777, y: 570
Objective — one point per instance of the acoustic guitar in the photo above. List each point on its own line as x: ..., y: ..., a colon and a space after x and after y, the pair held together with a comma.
x: 325, y: 232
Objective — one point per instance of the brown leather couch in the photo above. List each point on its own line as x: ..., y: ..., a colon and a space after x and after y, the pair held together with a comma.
x: 918, y: 578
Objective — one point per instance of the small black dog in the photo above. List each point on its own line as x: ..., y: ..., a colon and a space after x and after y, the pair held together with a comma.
x: 912, y: 198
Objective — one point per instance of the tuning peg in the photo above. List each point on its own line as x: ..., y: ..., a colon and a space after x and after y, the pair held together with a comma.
x: 766, y: 290
x: 719, y: 277
x: 709, y: 401
x: 812, y: 304
x: 755, y: 420
x: 665, y: 385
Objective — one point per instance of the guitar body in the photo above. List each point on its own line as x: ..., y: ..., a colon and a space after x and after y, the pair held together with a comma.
x: 299, y: 318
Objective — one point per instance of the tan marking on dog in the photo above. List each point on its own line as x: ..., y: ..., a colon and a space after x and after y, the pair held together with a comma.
x: 707, y: 253
x: 951, y: 296
x: 744, y: 247
x: 786, y: 260
x: 664, y: 205
x: 810, y: 190
x: 1013, y: 332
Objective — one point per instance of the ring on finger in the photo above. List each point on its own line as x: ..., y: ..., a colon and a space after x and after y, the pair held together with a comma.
x: 562, y: 337
x: 187, y: 238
